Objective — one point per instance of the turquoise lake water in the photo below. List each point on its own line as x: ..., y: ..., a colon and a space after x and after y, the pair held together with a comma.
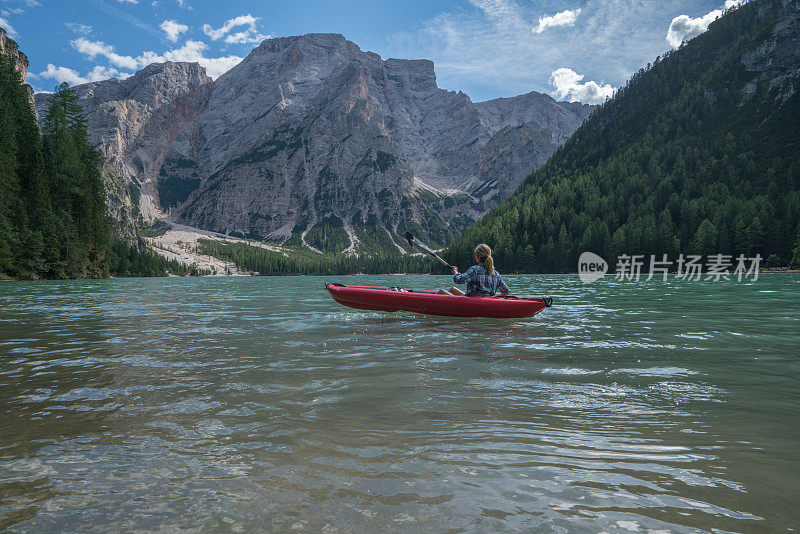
x: 259, y: 404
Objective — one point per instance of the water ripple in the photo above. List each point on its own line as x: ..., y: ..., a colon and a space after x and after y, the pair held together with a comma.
x: 258, y: 404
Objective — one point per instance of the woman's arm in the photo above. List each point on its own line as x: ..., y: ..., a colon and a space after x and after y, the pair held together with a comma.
x: 463, y: 278
x: 502, y: 286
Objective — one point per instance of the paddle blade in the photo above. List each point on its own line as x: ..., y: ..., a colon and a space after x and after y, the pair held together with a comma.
x: 416, y: 245
x: 419, y: 247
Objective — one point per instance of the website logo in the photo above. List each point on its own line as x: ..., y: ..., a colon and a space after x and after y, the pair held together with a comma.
x: 591, y: 267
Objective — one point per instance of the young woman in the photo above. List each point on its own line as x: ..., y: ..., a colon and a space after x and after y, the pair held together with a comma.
x: 481, y: 279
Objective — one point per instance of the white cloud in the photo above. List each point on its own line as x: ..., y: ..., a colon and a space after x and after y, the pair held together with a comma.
x: 8, y: 28
x: 83, y: 29
x: 242, y: 20
x: 93, y: 49
x: 173, y: 29
x: 191, y: 51
x: 249, y: 36
x: 246, y: 37
x: 63, y: 74
x: 73, y: 77
x: 568, y: 87
x: 563, y: 18
x: 683, y: 27
x: 134, y: 2
x: 100, y: 72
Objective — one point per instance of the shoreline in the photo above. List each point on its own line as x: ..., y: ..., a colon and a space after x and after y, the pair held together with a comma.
x: 248, y: 275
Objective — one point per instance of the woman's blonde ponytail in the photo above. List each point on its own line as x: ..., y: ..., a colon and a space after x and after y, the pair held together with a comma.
x: 488, y: 264
x: 484, y: 255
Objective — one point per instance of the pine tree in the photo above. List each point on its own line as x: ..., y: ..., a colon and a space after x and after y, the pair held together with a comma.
x: 53, y: 221
x: 9, y: 187
x: 78, y: 187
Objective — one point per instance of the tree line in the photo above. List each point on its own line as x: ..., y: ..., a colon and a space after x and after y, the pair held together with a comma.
x: 269, y: 262
x: 53, y: 220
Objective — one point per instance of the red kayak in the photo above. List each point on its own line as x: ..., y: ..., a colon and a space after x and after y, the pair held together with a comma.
x: 394, y: 299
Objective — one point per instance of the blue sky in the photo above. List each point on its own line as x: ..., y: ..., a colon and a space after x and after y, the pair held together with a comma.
x: 571, y: 49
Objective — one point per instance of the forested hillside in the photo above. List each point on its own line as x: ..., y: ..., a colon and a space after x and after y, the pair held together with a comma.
x: 698, y: 153
x: 53, y: 220
x: 53, y: 216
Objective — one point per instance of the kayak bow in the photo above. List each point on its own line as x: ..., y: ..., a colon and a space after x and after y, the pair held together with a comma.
x: 392, y: 299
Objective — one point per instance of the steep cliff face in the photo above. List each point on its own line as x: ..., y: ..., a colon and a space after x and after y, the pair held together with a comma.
x: 10, y: 48
x: 526, y: 130
x: 776, y: 60
x: 312, y: 134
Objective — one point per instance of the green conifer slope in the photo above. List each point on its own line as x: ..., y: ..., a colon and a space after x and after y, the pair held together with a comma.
x: 53, y: 221
x: 698, y: 153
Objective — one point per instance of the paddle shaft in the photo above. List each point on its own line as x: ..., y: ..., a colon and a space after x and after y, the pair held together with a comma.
x: 441, y: 260
x: 415, y: 244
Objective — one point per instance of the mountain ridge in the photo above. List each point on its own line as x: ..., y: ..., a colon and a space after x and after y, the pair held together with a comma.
x: 310, y: 130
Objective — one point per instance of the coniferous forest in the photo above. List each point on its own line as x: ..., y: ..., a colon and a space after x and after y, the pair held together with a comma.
x: 53, y: 217
x: 53, y: 221
x: 268, y: 262
x: 688, y: 157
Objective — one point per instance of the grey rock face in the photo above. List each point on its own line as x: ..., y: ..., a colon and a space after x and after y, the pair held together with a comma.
x: 311, y: 129
x: 134, y: 122
x: 775, y: 59
x: 10, y: 48
x: 526, y: 130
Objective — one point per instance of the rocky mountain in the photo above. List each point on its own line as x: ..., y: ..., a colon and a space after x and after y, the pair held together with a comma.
x: 10, y: 48
x: 313, y: 141
x: 134, y: 122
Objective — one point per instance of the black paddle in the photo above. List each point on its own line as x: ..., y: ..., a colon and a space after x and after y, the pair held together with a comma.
x: 416, y: 245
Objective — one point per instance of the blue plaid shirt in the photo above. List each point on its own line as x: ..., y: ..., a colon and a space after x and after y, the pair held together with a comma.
x: 478, y: 278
